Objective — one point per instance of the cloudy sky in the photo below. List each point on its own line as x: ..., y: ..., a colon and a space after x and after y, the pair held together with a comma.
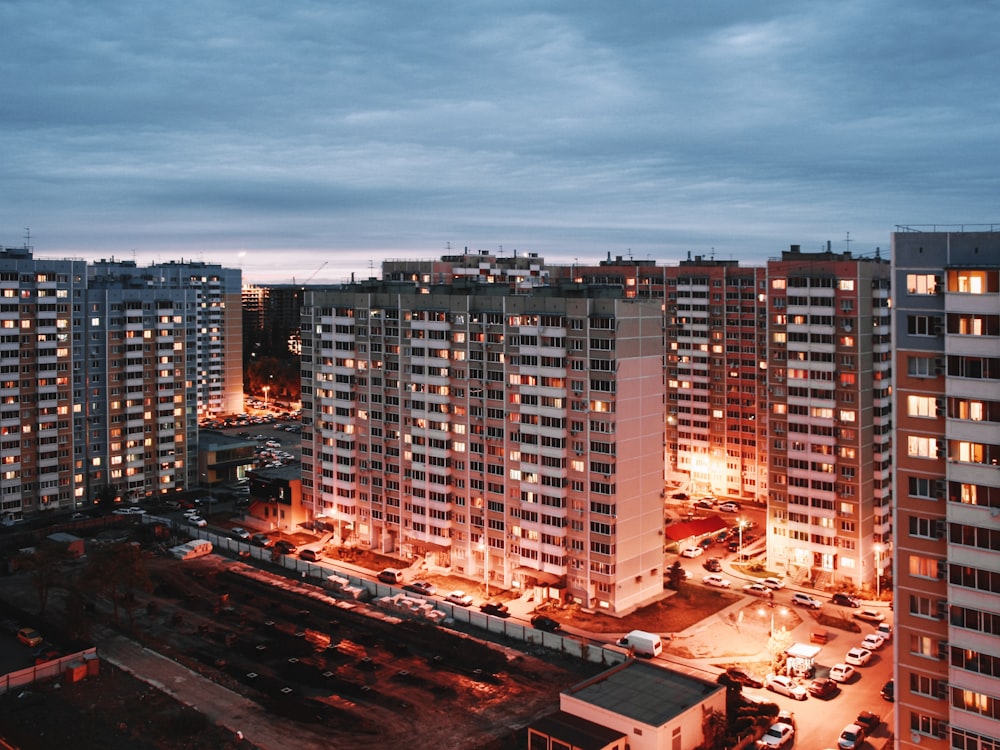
x: 281, y: 136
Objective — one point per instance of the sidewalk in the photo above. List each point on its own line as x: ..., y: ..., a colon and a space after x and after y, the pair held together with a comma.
x: 217, y: 703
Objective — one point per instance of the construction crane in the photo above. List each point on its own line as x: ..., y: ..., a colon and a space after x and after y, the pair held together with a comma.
x: 313, y: 276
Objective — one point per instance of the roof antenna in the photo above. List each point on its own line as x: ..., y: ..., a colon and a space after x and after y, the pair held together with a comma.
x: 848, y: 241
x: 27, y: 238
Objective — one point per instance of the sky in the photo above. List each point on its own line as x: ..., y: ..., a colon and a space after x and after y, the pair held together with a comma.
x: 312, y: 139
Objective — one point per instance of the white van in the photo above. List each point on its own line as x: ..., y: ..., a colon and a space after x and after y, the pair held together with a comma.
x: 391, y: 575
x: 642, y: 643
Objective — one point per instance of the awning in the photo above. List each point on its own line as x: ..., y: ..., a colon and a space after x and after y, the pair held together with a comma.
x: 420, y: 544
x: 540, y: 576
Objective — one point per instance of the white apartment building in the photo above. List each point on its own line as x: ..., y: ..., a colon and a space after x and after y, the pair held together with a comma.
x: 514, y: 436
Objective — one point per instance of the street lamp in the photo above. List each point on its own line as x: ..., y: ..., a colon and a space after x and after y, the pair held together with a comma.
x: 743, y: 523
x: 878, y: 571
x: 783, y: 611
x: 266, y: 389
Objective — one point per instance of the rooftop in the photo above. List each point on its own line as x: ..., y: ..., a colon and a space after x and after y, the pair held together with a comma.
x: 644, y: 692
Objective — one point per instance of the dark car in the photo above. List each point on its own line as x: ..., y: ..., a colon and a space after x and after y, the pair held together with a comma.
x: 680, y: 496
x: 541, y: 622
x: 704, y: 504
x: 823, y: 687
x: 284, y: 547
x: 743, y: 678
x: 713, y: 565
x: 888, y: 691
x: 869, y: 721
x: 496, y: 609
x: 845, y: 600
x: 421, y: 587
x: 261, y: 540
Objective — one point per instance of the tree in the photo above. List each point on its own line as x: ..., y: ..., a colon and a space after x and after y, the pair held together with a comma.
x: 713, y: 727
x: 675, y: 576
x: 118, y: 571
x: 45, y: 564
x: 105, y: 497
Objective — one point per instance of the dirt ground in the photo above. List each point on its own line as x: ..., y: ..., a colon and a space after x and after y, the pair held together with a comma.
x: 354, y: 680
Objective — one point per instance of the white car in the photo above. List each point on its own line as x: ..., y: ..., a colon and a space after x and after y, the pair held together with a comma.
x: 717, y: 581
x: 460, y: 598
x: 841, y: 672
x: 858, y: 656
x: 130, y: 511
x: 779, y: 735
x: 693, y: 552
x: 774, y: 583
x: 730, y: 507
x: 197, y: 521
x: 783, y: 685
x: 757, y: 589
x: 241, y: 533
x: 873, y: 642
x: 190, y: 512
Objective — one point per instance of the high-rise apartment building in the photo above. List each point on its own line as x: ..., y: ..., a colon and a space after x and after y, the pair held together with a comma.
x: 510, y: 432
x: 43, y: 419
x: 105, y: 369
x: 716, y: 318
x: 947, y: 543
x: 829, y: 415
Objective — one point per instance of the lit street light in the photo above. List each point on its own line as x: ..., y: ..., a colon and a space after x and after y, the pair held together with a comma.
x: 743, y: 523
x: 266, y: 389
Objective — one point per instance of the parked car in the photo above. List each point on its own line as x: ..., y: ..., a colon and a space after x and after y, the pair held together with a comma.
x: 852, y: 737
x: 774, y: 583
x: 884, y: 629
x: 284, y: 546
x: 704, y: 504
x: 730, y: 507
x: 858, y: 656
x: 197, y: 521
x: 869, y: 615
x: 779, y: 683
x: 459, y: 597
x: 421, y: 587
x: 823, y: 687
x: 496, y: 609
x: 845, y: 600
x: 309, y: 555
x: 261, y: 540
x: 693, y: 552
x: 873, y: 642
x: 743, y: 678
x: 129, y: 511
x: 779, y: 735
x: 842, y: 672
x: 717, y: 581
x: 804, y: 600
x: 888, y: 691
x: 541, y: 622
x: 758, y: 589
x: 241, y: 533
x: 712, y: 565
x: 680, y: 496
x: 869, y: 720
x: 29, y: 637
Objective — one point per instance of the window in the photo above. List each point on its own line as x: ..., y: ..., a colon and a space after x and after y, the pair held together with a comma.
x: 924, y: 567
x: 921, y: 283
x: 921, y: 367
x: 919, y: 446
x: 922, y: 325
x: 921, y: 406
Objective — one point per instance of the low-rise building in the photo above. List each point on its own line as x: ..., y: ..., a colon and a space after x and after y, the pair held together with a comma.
x: 643, y: 707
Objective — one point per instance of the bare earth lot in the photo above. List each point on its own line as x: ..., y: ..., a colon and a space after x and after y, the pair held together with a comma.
x: 331, y: 675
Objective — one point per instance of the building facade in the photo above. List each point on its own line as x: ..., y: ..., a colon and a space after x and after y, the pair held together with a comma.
x: 829, y: 417
x: 104, y: 369
x: 511, y: 433
x: 947, y: 549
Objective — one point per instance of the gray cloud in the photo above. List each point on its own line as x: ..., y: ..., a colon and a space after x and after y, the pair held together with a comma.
x: 353, y: 131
